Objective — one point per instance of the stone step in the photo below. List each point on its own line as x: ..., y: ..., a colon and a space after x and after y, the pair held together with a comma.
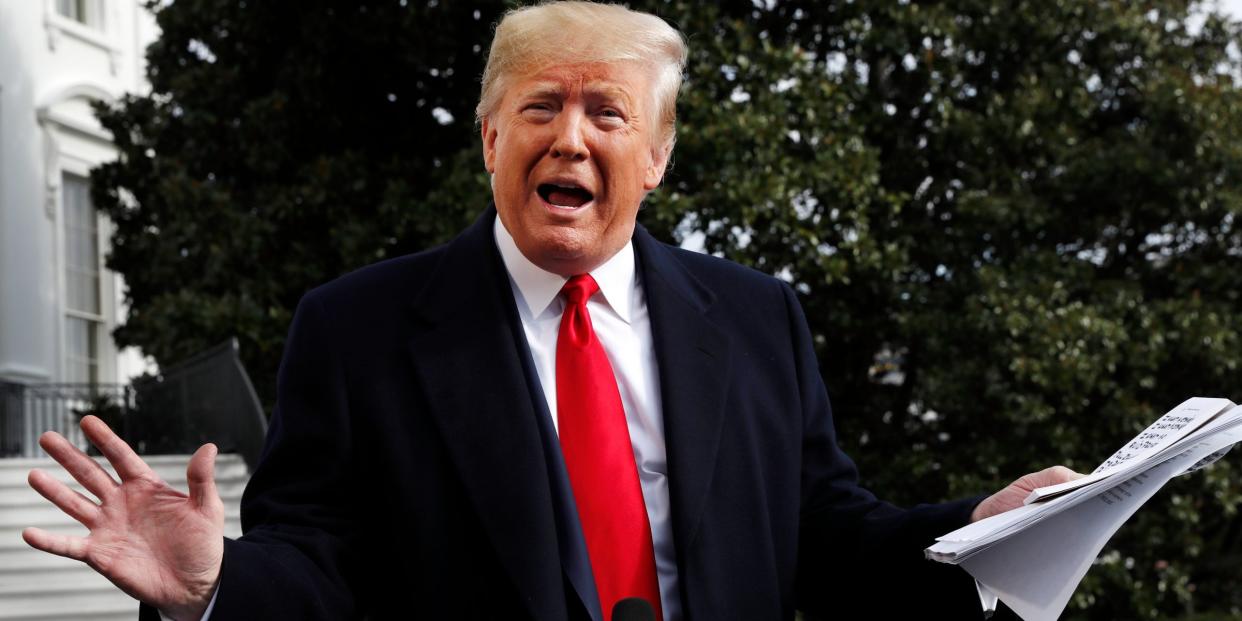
x: 64, y: 571
x: 57, y: 601
x: 18, y: 556
x: 12, y: 535
x: 171, y: 468
x: 120, y: 610
x: 125, y: 613
x: 37, y: 511
x: 231, y: 477
x: 26, y: 496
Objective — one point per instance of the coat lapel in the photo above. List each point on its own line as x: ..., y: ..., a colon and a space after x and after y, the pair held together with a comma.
x: 693, y: 356
x: 468, y: 364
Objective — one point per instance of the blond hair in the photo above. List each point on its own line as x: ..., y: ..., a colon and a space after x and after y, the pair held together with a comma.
x: 534, y: 37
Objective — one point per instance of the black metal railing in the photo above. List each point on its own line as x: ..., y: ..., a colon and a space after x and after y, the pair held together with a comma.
x: 27, y: 410
x: 207, y: 398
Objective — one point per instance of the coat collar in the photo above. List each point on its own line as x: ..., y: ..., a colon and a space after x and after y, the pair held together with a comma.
x: 538, y: 289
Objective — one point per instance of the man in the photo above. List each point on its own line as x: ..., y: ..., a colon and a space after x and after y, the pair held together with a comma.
x: 552, y: 414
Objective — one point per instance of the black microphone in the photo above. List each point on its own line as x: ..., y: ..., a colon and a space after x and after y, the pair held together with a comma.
x: 633, y: 609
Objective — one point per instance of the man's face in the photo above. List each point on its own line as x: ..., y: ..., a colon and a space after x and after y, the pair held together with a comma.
x: 573, y: 150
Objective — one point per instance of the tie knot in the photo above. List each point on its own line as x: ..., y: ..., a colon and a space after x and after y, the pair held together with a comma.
x: 579, y: 289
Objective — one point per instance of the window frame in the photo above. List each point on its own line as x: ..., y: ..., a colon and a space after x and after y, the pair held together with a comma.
x: 97, y: 31
x: 98, y: 320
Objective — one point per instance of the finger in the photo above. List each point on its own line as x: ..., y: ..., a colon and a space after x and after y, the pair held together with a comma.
x: 127, y: 463
x: 78, y: 507
x: 83, y: 469
x: 201, y: 475
x: 1060, y: 474
x: 60, y: 545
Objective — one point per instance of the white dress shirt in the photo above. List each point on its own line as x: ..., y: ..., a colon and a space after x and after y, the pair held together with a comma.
x: 206, y: 613
x: 619, y: 316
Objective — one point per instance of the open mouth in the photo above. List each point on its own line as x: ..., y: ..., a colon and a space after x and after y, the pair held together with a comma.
x: 569, y: 196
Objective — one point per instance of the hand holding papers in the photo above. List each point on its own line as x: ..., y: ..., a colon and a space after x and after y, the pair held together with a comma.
x: 1033, y: 557
x: 1191, y: 416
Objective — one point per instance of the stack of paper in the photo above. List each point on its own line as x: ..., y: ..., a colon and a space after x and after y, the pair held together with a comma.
x: 1033, y: 557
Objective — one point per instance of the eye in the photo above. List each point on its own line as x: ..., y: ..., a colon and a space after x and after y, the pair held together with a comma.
x: 539, y: 111
x: 610, y: 113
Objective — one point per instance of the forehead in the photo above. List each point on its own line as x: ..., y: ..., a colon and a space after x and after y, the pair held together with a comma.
x: 626, y: 81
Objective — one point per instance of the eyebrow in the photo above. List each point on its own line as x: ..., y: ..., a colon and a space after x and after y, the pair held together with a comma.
x: 545, y: 89
x: 611, y: 92
x: 541, y: 90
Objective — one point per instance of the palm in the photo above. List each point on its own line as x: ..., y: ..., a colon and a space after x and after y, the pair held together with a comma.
x: 157, y: 544
x: 155, y: 538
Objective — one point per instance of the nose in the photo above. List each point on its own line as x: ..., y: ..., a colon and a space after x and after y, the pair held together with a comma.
x: 569, y: 143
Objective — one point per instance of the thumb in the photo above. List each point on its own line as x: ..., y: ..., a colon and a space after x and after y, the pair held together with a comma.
x: 1058, y: 474
x: 201, y: 475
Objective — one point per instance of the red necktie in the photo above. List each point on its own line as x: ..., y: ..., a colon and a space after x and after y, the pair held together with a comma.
x: 596, y: 444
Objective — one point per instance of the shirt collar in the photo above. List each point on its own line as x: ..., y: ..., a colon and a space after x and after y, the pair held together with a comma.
x: 538, y: 288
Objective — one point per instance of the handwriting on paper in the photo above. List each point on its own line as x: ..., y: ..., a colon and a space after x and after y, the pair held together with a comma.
x: 1166, y: 429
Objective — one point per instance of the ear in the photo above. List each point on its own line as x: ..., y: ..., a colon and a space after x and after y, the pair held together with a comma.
x: 659, y: 161
x: 489, y: 145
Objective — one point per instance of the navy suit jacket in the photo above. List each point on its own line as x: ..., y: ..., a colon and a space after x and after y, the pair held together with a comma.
x: 410, y: 470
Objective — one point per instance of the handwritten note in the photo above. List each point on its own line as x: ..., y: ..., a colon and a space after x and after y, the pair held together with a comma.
x: 1179, y: 423
x: 1167, y: 429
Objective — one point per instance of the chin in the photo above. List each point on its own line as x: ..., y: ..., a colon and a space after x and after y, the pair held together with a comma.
x: 557, y: 251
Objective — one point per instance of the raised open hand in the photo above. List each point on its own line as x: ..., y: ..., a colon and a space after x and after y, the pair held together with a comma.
x: 156, y: 543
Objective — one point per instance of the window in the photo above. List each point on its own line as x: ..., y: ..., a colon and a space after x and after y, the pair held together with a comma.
x: 83, y: 307
x: 86, y: 12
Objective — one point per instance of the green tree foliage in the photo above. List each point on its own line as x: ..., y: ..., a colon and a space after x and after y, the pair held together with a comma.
x: 1012, y: 224
x: 285, y: 143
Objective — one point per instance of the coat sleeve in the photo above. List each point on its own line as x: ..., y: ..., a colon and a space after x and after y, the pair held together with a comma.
x: 296, y: 560
x: 859, y: 557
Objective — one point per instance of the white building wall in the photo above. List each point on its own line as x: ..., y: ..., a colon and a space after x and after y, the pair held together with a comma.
x: 50, y: 67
